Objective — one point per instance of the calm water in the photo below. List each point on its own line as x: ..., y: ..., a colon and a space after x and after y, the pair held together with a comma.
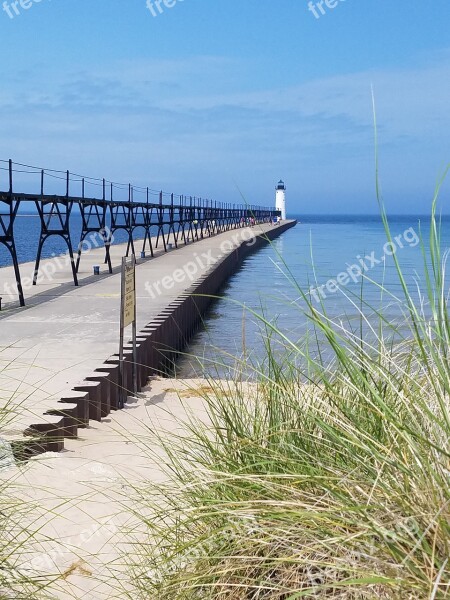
x: 27, y: 229
x: 333, y: 245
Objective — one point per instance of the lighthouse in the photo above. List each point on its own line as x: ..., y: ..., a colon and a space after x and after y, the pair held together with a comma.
x: 280, y: 201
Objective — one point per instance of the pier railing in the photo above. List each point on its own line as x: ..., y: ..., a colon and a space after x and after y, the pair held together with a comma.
x: 107, y: 207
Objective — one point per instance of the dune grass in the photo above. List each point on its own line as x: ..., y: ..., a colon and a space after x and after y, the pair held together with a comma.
x: 332, y: 479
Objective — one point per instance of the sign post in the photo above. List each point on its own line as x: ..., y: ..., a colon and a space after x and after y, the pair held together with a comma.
x: 127, y: 318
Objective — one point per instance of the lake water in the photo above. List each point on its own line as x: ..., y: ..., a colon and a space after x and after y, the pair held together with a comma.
x: 319, y: 249
x: 26, y: 232
x: 317, y: 252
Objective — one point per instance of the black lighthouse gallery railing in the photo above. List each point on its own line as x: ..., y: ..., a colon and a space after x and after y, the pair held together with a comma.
x: 107, y: 207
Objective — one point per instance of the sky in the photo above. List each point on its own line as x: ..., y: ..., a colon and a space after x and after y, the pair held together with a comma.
x: 222, y: 98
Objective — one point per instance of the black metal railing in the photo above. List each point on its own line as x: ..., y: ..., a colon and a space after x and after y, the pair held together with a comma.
x: 168, y: 217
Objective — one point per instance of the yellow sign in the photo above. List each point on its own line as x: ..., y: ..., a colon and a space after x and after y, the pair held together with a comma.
x: 129, y: 303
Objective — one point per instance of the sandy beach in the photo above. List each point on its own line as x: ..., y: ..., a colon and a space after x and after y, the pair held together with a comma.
x: 84, y: 495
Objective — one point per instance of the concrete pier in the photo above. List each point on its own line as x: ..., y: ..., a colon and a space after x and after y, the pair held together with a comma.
x: 58, y: 356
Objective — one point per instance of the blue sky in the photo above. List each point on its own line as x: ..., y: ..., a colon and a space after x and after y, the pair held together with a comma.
x: 218, y: 97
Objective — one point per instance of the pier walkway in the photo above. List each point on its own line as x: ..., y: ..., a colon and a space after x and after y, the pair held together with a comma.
x: 52, y: 351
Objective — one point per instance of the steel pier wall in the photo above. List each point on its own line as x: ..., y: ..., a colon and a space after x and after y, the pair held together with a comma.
x: 158, y: 345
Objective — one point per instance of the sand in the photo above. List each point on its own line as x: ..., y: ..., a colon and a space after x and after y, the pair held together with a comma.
x: 84, y: 495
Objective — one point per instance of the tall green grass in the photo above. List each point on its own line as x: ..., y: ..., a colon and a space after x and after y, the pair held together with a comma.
x: 330, y: 477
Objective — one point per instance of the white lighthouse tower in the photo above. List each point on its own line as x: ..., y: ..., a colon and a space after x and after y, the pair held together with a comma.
x: 280, y: 202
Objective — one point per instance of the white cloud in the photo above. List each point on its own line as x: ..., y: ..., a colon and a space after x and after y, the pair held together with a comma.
x: 193, y: 124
